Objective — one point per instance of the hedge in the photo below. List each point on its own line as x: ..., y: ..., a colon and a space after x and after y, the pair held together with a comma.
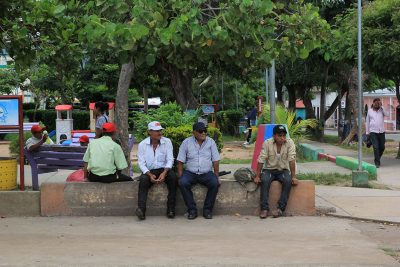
x: 178, y: 134
x: 48, y: 118
x: 229, y: 120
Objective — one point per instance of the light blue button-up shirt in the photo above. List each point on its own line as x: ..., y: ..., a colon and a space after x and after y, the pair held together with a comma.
x: 198, y: 159
x: 162, y: 157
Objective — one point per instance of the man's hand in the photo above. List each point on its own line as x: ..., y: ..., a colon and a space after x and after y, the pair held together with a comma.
x: 44, y: 138
x: 257, y: 180
x: 162, y: 176
x: 152, y: 177
x: 219, y: 179
x: 295, y: 181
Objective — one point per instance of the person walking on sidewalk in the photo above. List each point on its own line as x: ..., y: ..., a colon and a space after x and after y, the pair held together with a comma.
x: 201, y: 156
x: 277, y: 155
x: 375, y: 129
x: 155, y: 158
x: 104, y: 159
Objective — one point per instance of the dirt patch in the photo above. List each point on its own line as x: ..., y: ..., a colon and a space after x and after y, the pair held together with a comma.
x: 385, y: 234
x: 236, y: 150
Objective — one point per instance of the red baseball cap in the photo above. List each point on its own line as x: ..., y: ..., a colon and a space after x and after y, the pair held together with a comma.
x: 84, y: 139
x: 109, y: 127
x: 37, y: 129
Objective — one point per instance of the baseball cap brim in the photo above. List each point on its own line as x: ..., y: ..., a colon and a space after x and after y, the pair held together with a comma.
x: 155, y: 128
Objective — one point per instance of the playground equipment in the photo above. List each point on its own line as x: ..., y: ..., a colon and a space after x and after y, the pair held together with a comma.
x: 264, y: 132
x: 111, y: 115
x: 209, y: 116
x: 64, y: 124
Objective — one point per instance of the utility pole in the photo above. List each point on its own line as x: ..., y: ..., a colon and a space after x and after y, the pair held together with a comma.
x: 272, y: 92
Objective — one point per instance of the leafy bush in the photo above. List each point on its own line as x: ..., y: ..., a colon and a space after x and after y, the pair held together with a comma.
x: 297, y: 130
x: 169, y: 115
x: 178, y: 134
x: 26, y: 106
x: 48, y: 118
x: 228, y: 121
x: 14, y: 145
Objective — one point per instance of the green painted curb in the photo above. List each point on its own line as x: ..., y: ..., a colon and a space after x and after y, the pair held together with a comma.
x: 310, y: 152
x: 352, y: 164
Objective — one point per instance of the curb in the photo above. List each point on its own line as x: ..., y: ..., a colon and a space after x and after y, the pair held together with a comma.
x: 361, y: 219
x: 310, y: 152
x: 352, y: 164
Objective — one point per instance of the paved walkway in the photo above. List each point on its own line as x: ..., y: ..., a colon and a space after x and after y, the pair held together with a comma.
x: 223, y: 241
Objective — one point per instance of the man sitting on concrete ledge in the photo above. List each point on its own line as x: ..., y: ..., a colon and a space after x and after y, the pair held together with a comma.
x: 278, y: 154
x: 200, y: 154
x: 155, y: 158
x: 104, y: 158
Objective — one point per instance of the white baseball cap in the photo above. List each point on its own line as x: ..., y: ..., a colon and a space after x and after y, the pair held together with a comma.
x: 154, y: 126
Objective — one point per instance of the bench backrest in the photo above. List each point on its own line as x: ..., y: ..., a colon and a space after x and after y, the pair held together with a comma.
x: 57, y: 157
x: 27, y: 127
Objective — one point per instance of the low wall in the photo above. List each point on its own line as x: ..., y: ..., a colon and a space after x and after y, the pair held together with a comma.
x: 310, y: 152
x: 120, y: 199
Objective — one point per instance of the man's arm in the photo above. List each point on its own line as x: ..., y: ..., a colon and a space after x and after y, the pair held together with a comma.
x: 216, y: 169
x: 37, y: 145
x: 367, y: 123
x: 292, y: 166
x: 180, y: 169
x: 260, y: 162
x: 85, y: 170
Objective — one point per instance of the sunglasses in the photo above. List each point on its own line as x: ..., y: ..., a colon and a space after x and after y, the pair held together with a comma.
x: 202, y: 131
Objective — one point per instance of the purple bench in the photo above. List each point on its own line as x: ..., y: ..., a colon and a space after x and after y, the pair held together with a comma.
x: 50, y: 158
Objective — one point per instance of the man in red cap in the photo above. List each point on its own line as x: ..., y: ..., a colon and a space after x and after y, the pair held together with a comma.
x: 38, y: 138
x: 84, y: 140
x: 104, y: 158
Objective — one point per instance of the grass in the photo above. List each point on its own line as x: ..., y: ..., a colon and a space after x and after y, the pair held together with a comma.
x: 230, y: 138
x: 332, y: 178
x: 135, y: 168
x: 395, y: 253
x: 235, y: 161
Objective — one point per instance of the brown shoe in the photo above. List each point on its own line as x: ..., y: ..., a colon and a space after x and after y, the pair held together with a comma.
x: 277, y: 213
x: 263, y: 214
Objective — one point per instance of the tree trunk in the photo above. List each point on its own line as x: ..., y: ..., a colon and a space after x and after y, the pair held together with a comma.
x: 181, y: 81
x: 308, y: 105
x: 279, y: 92
x: 352, y: 97
x: 292, y: 97
x: 121, y: 107
x: 145, y: 100
x: 336, y: 103
x: 322, y: 107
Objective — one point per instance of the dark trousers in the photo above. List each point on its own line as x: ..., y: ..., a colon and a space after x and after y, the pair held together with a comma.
x: 267, y: 177
x: 111, y: 178
x: 209, y: 180
x: 378, y: 143
x: 145, y: 184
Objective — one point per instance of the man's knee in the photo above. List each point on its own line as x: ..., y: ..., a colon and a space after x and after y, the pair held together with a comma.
x: 265, y: 177
x: 184, y: 182
x: 213, y: 182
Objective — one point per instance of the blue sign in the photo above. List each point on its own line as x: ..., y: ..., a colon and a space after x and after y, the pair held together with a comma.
x: 208, y: 109
x: 9, y: 112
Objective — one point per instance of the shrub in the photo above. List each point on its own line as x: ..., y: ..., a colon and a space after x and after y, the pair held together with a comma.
x: 229, y: 120
x: 26, y: 106
x: 48, y: 118
x: 178, y: 134
x: 169, y: 115
x: 14, y: 145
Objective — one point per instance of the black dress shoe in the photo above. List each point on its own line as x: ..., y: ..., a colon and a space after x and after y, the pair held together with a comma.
x: 207, y: 216
x: 140, y: 214
x: 192, y: 216
x: 170, y: 214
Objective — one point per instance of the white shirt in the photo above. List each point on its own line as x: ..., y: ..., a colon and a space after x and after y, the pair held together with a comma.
x: 375, y: 122
x: 162, y: 157
x: 33, y: 141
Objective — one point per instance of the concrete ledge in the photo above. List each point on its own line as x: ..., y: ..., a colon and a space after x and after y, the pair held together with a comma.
x: 120, y: 199
x: 323, y: 156
x: 352, y: 164
x: 19, y: 203
x: 310, y: 152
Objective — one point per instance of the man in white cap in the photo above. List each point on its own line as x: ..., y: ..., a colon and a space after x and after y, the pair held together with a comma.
x: 155, y: 158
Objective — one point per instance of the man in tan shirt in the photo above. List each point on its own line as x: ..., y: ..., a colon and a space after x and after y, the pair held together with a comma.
x: 279, y: 155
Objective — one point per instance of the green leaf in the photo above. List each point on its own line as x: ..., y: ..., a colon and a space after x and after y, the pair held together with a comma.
x: 327, y: 57
x: 58, y: 9
x: 231, y: 52
x: 304, y: 53
x: 150, y: 59
x: 309, y: 44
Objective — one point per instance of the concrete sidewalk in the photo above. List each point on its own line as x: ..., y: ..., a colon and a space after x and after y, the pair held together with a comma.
x: 360, y: 203
x: 157, y: 241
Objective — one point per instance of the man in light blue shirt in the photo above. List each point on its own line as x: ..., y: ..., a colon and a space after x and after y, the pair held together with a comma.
x: 200, y: 154
x: 155, y: 158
